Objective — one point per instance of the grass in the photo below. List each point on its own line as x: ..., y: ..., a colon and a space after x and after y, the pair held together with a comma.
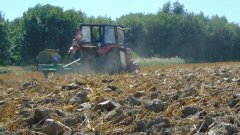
x: 4, y: 70
x: 16, y: 69
x: 12, y: 70
x: 159, y: 61
x: 18, y: 73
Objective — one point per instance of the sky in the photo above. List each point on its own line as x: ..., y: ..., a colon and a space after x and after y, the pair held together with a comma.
x: 12, y: 9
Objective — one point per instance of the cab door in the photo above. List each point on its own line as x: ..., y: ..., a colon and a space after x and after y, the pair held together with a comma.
x: 121, y: 42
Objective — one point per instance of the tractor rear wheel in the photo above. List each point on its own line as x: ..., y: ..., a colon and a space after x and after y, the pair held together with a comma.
x: 112, y: 66
x: 112, y: 63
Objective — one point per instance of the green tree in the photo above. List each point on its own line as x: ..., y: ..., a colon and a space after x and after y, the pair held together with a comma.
x: 217, y: 39
x: 166, y: 8
x: 178, y: 8
x: 99, y: 20
x: 234, y: 41
x: 4, y: 45
x: 16, y: 33
x: 135, y: 33
x: 48, y: 27
x: 171, y: 32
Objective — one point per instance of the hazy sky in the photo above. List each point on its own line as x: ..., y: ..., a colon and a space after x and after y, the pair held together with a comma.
x: 115, y: 8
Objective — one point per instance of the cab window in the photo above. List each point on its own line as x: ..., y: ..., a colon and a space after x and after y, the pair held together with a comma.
x: 120, y: 34
x: 86, y: 32
x: 109, y: 35
x: 96, y: 34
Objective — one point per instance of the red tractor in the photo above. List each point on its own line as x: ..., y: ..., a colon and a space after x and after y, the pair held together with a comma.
x: 102, y: 48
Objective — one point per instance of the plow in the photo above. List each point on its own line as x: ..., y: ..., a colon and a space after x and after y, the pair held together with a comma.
x: 97, y: 48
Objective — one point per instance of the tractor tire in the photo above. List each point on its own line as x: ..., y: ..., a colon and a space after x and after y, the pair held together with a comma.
x: 112, y: 63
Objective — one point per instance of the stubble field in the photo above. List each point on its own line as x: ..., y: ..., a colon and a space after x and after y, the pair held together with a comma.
x: 170, y: 99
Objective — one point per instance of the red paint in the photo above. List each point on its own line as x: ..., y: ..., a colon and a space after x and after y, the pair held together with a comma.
x: 74, y: 48
x: 105, y: 49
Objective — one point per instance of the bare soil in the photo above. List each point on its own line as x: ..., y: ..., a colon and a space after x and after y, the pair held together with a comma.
x: 173, y: 99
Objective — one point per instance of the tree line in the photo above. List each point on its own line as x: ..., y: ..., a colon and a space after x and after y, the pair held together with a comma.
x: 170, y: 32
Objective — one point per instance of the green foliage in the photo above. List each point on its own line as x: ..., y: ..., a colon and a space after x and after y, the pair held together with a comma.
x: 135, y: 35
x: 44, y: 27
x: 171, y: 32
x: 174, y: 32
x: 99, y: 20
x: 166, y: 8
x: 4, y: 41
x: 178, y: 8
x: 16, y: 39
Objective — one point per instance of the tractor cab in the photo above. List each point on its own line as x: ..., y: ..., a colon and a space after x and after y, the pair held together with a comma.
x: 97, y: 36
x: 100, y: 35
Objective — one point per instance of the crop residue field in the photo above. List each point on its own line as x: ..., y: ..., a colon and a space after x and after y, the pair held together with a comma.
x: 172, y: 99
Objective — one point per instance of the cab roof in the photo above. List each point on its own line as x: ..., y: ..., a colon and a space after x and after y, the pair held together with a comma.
x: 101, y: 25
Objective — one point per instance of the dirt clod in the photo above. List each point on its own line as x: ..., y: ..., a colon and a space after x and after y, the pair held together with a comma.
x: 176, y: 99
